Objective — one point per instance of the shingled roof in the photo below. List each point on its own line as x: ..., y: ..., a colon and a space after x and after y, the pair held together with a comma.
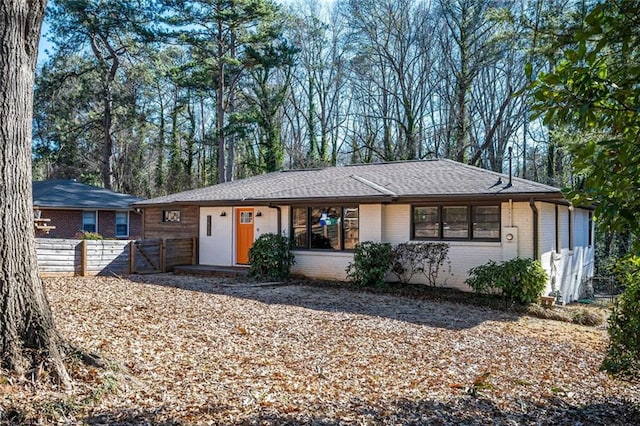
x: 70, y: 194
x: 409, y: 181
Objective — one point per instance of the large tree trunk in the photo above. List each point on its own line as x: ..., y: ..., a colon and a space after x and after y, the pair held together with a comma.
x: 28, y: 337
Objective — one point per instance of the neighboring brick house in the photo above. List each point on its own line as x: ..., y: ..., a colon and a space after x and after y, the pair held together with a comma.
x: 73, y: 208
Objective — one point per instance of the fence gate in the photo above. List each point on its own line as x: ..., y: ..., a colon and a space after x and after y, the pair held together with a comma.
x: 146, y: 256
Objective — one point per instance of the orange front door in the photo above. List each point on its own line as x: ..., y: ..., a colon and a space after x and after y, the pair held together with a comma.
x: 244, y: 234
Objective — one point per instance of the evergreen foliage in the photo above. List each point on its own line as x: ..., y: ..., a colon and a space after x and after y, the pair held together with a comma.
x: 519, y: 280
x: 271, y: 257
x: 371, y: 262
x: 593, y: 92
x: 623, y: 355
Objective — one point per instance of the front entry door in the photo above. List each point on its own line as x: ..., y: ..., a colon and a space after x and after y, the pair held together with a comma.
x: 244, y: 235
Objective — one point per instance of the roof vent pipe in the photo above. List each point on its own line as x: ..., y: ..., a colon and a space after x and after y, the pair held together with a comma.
x: 510, y: 166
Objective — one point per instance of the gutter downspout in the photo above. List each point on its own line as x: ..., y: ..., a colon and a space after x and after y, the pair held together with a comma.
x: 534, y: 209
x: 279, y: 210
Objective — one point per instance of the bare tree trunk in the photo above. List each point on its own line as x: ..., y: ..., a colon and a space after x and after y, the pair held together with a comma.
x: 220, y: 112
x: 28, y: 337
x: 107, y: 147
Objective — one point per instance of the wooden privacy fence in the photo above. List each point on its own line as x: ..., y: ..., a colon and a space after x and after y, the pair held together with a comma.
x: 113, y: 257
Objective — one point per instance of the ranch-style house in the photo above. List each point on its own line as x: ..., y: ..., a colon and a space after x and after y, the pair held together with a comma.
x: 482, y: 215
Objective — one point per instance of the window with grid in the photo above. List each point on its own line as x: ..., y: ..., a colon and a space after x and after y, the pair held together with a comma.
x: 90, y: 221
x: 122, y: 224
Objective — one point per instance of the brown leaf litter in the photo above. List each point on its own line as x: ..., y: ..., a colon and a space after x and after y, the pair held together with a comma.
x: 202, y: 350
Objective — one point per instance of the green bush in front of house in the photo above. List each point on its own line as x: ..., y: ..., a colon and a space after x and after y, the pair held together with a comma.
x: 371, y: 262
x: 519, y: 280
x: 623, y: 355
x: 271, y: 257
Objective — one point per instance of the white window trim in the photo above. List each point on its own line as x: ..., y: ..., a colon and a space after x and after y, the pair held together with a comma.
x: 116, y: 224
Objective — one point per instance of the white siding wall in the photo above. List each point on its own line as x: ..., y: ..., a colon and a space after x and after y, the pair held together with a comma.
x: 547, y: 227
x: 581, y: 227
x: 465, y: 255
x: 216, y: 249
x: 370, y: 222
x: 326, y: 265
x: 523, y: 220
x: 571, y: 268
x: 396, y: 226
x: 266, y: 223
x: 219, y: 248
x: 391, y: 223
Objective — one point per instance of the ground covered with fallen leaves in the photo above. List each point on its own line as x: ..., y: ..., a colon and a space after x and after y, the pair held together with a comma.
x: 193, y: 350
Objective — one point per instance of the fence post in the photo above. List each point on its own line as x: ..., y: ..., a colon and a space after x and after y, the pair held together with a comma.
x: 83, y: 258
x: 163, y: 253
x: 194, y: 250
x: 132, y: 257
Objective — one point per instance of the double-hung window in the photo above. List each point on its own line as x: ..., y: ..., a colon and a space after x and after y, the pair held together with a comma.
x: 325, y: 228
x: 122, y: 224
x: 89, y: 221
x: 456, y: 222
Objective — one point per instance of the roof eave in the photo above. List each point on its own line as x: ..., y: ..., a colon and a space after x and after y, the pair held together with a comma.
x: 383, y: 199
x: 52, y: 207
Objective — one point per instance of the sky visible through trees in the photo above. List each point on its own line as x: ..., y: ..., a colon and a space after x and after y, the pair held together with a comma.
x: 152, y: 97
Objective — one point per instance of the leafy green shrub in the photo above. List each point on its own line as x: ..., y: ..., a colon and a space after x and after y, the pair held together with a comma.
x: 482, y: 279
x: 271, y: 257
x: 410, y: 259
x: 371, y: 261
x: 623, y: 355
x: 518, y: 280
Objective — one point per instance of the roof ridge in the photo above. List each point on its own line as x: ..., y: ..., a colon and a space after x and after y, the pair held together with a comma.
x: 374, y: 185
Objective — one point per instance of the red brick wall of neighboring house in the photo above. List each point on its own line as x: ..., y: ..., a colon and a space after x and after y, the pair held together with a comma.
x: 135, y: 226
x: 68, y: 224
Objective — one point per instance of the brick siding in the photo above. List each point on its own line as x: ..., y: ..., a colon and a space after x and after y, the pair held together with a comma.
x: 68, y: 224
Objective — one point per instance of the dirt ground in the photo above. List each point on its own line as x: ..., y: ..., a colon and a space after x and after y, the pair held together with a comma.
x: 192, y: 350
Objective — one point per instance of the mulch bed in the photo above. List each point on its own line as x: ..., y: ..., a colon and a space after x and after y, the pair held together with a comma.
x: 205, y: 350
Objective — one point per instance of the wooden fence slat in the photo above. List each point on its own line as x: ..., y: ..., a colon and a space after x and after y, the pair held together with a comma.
x: 99, y: 257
